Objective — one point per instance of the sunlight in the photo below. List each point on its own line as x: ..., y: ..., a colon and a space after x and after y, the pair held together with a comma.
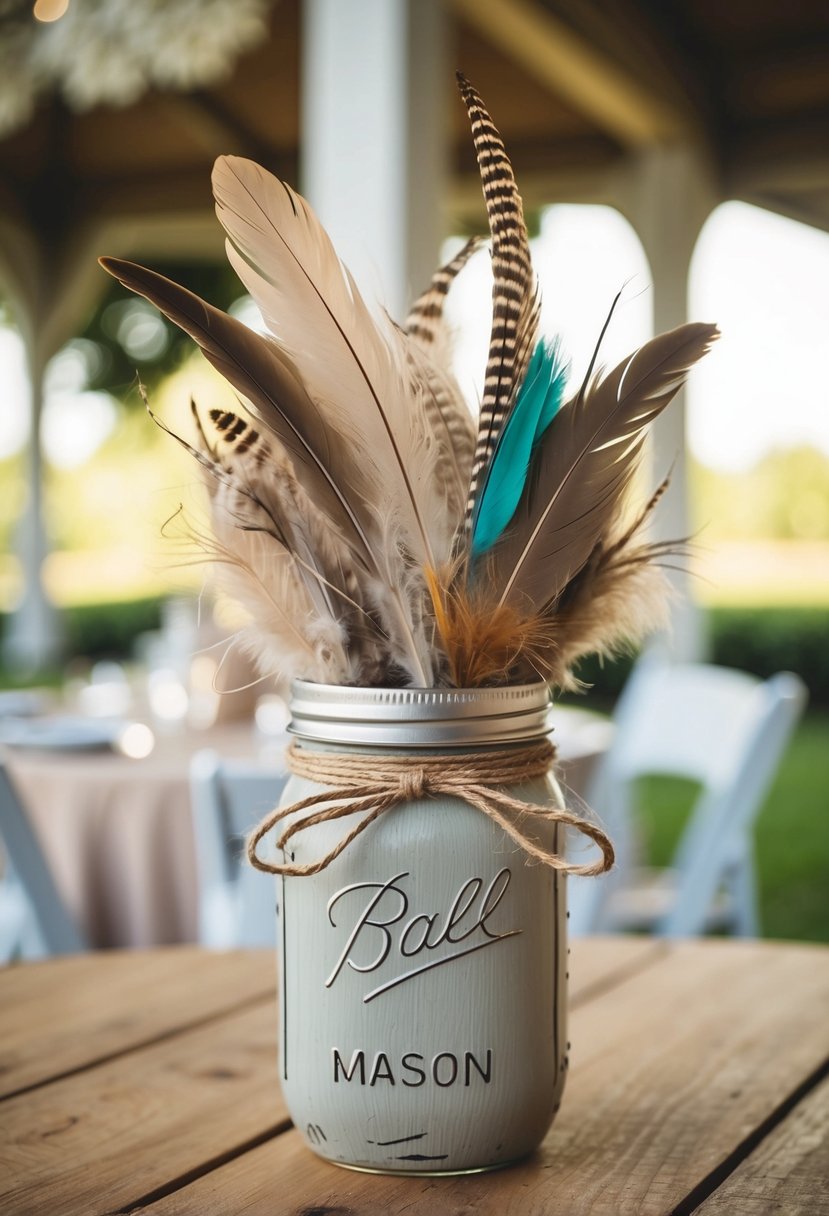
x: 765, y: 280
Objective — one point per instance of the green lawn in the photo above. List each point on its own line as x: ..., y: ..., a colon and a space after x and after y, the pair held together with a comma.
x: 792, y: 834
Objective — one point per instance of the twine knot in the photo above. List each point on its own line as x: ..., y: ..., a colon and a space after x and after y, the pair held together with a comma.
x: 414, y: 784
x: 371, y: 785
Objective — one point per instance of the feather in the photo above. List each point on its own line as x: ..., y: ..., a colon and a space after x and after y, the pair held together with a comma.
x: 284, y: 549
x: 425, y: 320
x: 448, y: 417
x: 584, y: 465
x: 331, y: 476
x: 376, y: 535
x: 285, y: 259
x: 515, y: 302
x: 503, y: 483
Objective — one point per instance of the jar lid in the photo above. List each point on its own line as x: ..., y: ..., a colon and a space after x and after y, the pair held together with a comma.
x: 419, y: 717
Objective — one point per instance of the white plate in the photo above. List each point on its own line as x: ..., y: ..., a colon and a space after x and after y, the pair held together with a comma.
x: 64, y: 734
x: 22, y: 704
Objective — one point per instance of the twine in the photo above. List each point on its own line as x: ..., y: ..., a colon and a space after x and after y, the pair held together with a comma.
x: 394, y: 780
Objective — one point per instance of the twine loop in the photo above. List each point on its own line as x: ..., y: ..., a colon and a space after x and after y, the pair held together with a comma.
x: 371, y: 785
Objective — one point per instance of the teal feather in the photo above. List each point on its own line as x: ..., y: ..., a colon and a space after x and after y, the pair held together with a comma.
x: 536, y: 405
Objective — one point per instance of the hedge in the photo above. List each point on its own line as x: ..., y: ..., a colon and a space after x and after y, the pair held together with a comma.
x: 758, y: 640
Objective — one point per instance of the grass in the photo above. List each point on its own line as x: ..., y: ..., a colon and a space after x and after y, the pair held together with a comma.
x: 792, y: 834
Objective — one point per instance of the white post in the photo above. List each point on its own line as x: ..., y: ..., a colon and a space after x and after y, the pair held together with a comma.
x: 373, y: 138
x: 33, y: 638
x: 667, y: 196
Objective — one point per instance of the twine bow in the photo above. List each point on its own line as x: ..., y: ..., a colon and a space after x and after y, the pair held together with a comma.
x: 394, y: 780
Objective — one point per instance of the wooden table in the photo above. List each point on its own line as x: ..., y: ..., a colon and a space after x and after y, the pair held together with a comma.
x: 147, y: 1082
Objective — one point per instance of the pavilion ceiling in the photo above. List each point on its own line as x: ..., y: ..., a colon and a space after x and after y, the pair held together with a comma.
x: 574, y: 84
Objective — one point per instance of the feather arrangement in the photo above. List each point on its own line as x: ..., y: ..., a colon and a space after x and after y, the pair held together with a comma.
x: 374, y: 532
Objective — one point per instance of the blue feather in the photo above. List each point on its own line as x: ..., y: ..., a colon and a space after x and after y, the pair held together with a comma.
x: 536, y: 405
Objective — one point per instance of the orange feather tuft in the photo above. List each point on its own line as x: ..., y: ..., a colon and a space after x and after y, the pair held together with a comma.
x: 488, y: 643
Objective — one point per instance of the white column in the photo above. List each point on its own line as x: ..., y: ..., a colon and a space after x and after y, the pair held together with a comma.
x: 49, y: 289
x: 374, y: 88
x: 33, y: 637
x: 667, y: 196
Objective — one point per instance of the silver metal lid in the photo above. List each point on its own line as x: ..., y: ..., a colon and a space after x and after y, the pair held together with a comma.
x: 418, y: 717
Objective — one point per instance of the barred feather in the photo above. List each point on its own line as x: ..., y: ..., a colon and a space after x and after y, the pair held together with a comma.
x: 425, y: 320
x: 515, y: 301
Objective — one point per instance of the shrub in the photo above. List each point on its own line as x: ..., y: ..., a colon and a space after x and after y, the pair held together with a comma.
x: 109, y: 631
x: 758, y: 640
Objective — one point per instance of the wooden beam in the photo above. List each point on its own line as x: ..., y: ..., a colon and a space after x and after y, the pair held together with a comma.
x: 572, y: 171
x: 219, y: 132
x: 786, y: 155
x: 804, y: 210
x: 620, y: 101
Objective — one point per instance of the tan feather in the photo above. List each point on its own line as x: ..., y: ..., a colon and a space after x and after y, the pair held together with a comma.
x: 285, y: 259
x: 335, y: 477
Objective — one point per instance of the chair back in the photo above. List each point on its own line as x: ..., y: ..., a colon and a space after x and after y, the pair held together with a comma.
x: 33, y: 919
x: 725, y: 730
x: 236, y: 902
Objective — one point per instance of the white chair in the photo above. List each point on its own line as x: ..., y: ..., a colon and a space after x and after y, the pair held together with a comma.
x: 33, y: 920
x: 725, y: 730
x: 236, y: 902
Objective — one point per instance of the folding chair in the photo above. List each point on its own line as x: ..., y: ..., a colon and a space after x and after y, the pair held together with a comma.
x: 236, y: 902
x: 725, y: 730
x: 33, y: 920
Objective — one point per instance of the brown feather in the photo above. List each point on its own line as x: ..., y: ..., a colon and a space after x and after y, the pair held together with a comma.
x: 584, y: 466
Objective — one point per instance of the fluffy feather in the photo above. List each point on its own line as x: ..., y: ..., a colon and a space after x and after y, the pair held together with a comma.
x: 374, y: 533
x: 338, y: 478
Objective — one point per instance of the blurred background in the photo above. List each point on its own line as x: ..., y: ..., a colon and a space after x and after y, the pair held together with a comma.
x: 679, y: 151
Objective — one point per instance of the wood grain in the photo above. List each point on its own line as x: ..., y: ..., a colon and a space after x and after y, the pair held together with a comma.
x: 788, y: 1173
x: 598, y: 964
x: 120, y: 1000
x: 672, y: 1070
x: 102, y: 1139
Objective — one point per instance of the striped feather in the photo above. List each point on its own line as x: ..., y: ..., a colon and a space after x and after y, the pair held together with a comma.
x: 425, y: 320
x: 515, y: 301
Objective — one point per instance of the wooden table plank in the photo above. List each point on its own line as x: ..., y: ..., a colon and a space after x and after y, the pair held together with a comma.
x: 125, y: 998
x: 103, y: 1138
x: 788, y: 1173
x: 598, y: 964
x: 672, y: 1070
x: 120, y: 1000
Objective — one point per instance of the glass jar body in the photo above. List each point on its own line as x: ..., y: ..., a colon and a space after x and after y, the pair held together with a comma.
x: 423, y: 986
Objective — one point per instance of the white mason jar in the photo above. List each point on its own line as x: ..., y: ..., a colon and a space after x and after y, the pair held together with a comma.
x: 423, y: 971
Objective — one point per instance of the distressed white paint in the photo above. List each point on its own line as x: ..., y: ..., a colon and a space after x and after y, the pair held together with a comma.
x: 423, y: 976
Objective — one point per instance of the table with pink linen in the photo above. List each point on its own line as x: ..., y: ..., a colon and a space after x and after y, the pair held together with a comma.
x: 118, y: 834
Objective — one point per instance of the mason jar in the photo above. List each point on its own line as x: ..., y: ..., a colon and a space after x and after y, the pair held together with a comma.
x: 423, y: 971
